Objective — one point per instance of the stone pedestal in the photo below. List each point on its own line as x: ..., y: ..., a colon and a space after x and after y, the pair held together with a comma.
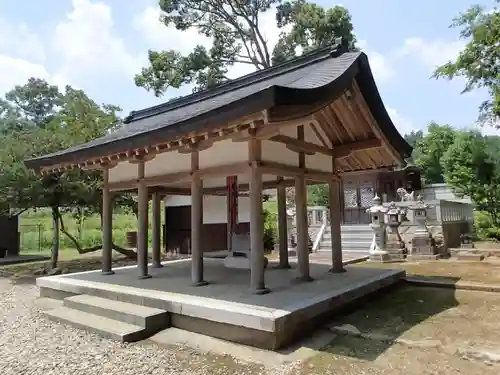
x: 395, y: 246
x: 422, y: 245
x: 377, y: 248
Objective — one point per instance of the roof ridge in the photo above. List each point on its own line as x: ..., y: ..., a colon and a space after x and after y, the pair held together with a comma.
x: 260, y: 75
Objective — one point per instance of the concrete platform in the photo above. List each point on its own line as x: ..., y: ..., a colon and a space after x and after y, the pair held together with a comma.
x: 226, y: 308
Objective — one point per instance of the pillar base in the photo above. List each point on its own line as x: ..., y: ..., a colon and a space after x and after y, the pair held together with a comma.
x: 200, y: 283
x: 337, y: 270
x: 157, y: 265
x: 303, y: 279
x: 107, y: 273
x: 261, y: 291
x: 144, y: 277
x: 282, y: 267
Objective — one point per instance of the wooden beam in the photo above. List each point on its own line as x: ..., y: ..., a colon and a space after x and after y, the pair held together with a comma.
x: 296, y: 145
x: 266, y: 130
x: 346, y: 149
x: 279, y: 169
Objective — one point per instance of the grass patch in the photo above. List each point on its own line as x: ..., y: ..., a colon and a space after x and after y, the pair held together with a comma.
x: 35, y: 229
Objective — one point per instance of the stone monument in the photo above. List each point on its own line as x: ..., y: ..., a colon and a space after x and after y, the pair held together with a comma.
x: 377, y: 215
x: 395, y: 246
x: 422, y: 244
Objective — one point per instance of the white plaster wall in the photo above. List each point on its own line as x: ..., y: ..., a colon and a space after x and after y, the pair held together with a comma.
x: 319, y: 162
x: 223, y: 153
x: 168, y: 162
x: 214, y: 207
x: 310, y: 135
x: 277, y: 152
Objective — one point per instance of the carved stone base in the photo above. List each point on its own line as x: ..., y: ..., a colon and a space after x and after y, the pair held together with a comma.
x: 380, y: 258
x: 422, y: 246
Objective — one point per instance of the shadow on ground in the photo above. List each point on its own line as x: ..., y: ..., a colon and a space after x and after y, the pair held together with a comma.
x: 374, y: 326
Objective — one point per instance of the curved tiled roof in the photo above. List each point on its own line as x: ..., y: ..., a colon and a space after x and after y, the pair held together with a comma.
x: 295, y: 82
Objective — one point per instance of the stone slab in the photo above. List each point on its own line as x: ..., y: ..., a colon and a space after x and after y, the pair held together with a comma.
x: 469, y: 256
x: 226, y: 308
x: 417, y: 257
x: 18, y: 259
x: 147, y: 317
x: 105, y: 327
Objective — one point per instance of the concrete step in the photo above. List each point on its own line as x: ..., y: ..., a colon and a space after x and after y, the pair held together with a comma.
x: 348, y: 244
x: 146, y: 317
x: 108, y: 328
x: 355, y: 228
x: 362, y: 251
x: 350, y: 236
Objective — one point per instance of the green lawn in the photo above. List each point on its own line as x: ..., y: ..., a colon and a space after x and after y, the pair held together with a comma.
x: 36, y: 231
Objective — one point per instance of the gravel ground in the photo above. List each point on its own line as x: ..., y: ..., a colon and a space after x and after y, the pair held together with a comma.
x: 31, y: 344
x: 464, y: 324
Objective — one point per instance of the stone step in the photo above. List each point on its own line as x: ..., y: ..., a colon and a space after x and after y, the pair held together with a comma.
x: 363, y: 251
x: 348, y: 244
x: 355, y: 228
x: 108, y: 328
x: 350, y: 236
x: 146, y: 317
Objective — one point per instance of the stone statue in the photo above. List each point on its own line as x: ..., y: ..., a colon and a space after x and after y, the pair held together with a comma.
x: 404, y: 195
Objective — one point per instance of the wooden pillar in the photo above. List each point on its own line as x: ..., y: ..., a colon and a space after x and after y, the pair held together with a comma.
x: 335, y: 226
x: 282, y: 228
x: 107, y: 225
x: 196, y: 222
x: 257, y: 259
x: 142, y: 226
x: 156, y: 230
x: 301, y: 217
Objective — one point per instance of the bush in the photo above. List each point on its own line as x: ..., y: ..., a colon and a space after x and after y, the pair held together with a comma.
x: 270, y: 229
x: 484, y: 228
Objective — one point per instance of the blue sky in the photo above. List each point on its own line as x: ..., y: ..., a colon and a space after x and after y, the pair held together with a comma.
x: 98, y: 45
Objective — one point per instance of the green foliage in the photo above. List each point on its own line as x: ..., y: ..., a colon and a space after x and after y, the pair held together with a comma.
x: 479, y: 61
x: 430, y: 149
x: 484, y: 228
x: 47, y: 121
x: 270, y: 228
x: 312, y: 27
x: 470, y: 168
x: 318, y: 195
x: 235, y: 30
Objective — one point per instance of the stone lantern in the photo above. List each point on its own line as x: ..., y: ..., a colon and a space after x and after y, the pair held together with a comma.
x: 422, y: 245
x: 377, y: 215
x: 395, y: 246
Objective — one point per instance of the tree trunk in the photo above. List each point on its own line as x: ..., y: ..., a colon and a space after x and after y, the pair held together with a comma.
x: 55, y: 233
x: 126, y: 252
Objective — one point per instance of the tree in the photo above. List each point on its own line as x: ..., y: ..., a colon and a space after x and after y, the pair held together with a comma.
x: 58, y: 120
x: 479, y: 61
x: 470, y: 168
x: 430, y: 149
x: 238, y: 38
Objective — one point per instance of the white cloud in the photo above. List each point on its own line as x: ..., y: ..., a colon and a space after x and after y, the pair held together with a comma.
x: 380, y: 64
x: 86, y: 43
x: 434, y: 52
x: 403, y: 124
x: 17, y: 71
x: 18, y: 41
